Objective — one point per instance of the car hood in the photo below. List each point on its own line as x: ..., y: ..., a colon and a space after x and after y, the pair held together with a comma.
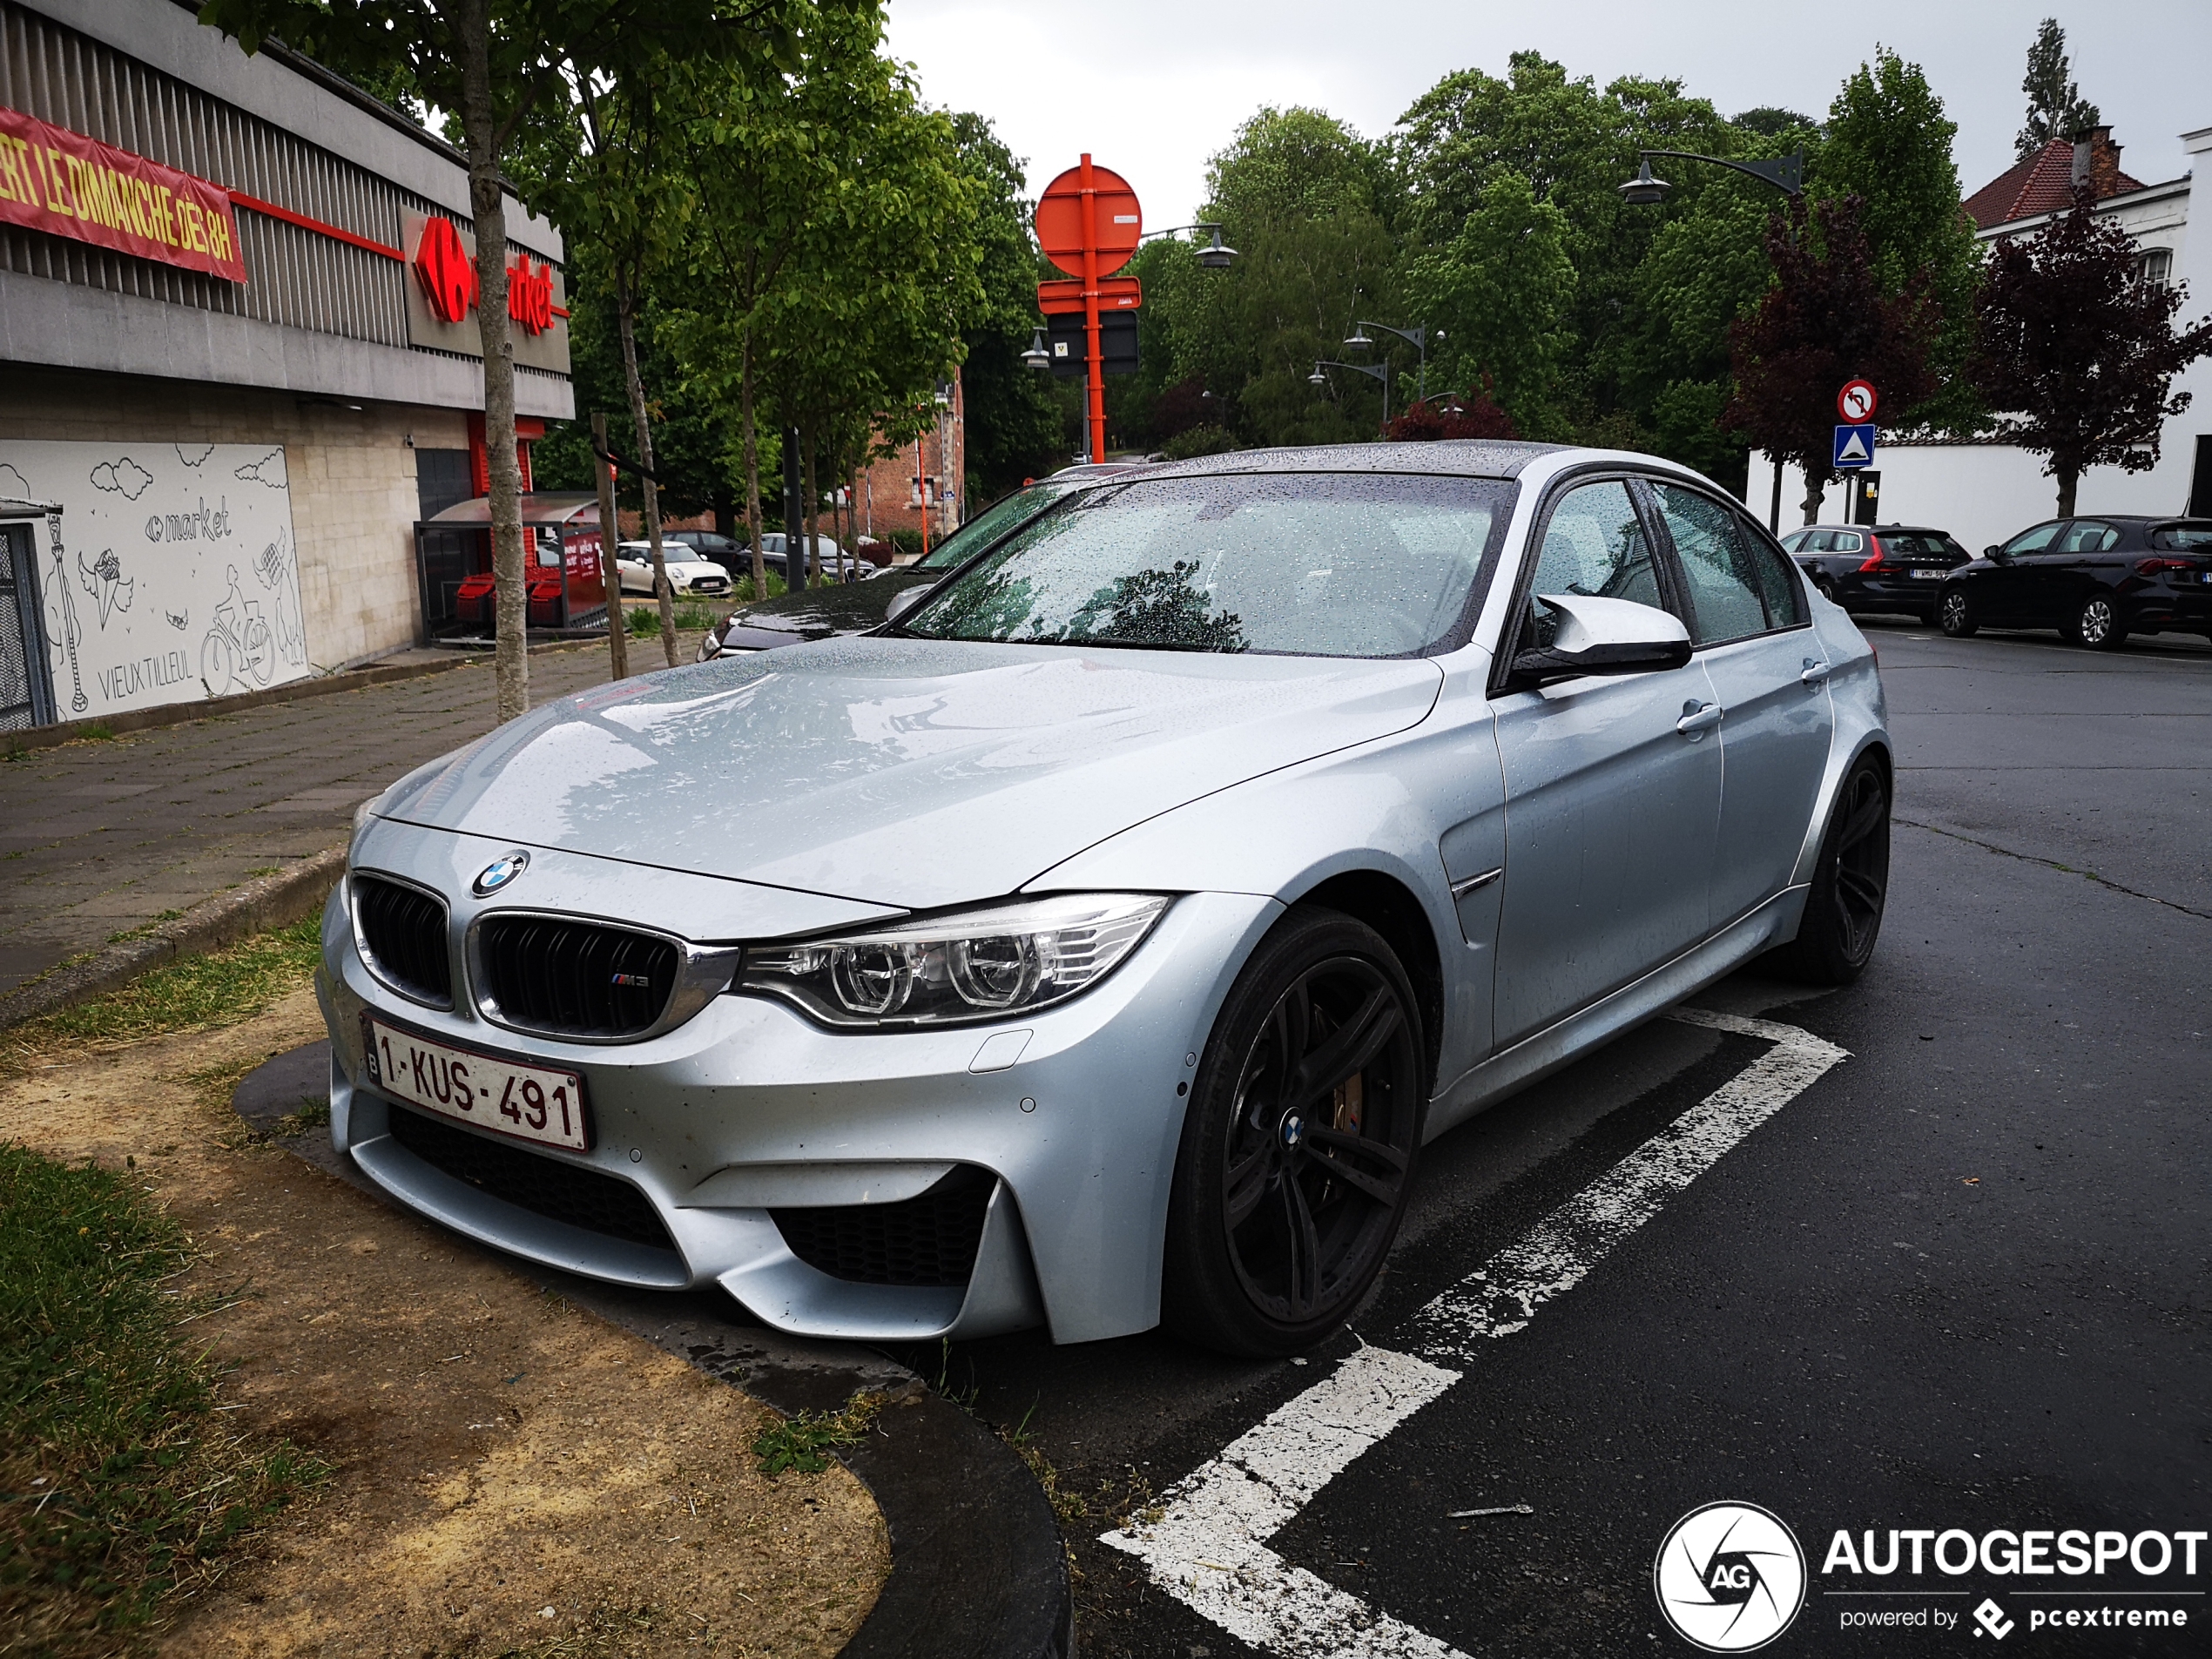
x: 915, y: 773
x: 819, y: 613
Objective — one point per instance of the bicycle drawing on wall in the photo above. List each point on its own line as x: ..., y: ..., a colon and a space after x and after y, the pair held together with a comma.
x: 239, y: 652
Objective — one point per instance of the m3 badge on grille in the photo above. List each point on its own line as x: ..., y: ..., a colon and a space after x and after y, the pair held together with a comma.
x: 501, y: 873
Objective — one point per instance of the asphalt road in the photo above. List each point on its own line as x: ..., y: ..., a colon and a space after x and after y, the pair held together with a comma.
x: 1958, y: 1280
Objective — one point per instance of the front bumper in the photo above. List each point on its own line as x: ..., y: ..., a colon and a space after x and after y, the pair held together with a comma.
x: 749, y: 1108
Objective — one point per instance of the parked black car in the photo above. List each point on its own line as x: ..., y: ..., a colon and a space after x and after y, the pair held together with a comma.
x: 1888, y: 568
x: 2095, y: 580
x: 855, y: 607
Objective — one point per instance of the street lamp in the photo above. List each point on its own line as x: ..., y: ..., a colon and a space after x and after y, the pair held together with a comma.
x: 1038, y: 356
x: 1380, y: 372
x: 1416, y: 337
x: 1214, y: 256
x: 1786, y: 173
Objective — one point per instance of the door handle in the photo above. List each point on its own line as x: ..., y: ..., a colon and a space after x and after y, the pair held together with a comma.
x: 1698, y: 718
x: 1815, y: 672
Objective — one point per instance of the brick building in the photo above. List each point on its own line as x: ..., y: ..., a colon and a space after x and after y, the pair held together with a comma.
x: 891, y: 493
x: 236, y: 332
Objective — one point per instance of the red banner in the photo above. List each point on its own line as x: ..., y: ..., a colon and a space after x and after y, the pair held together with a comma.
x: 56, y: 181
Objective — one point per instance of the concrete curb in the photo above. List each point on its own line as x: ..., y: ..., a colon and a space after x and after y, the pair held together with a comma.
x: 978, y: 1567
x: 267, y: 901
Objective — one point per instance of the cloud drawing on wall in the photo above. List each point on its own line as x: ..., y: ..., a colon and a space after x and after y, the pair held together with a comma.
x: 13, y: 484
x: 269, y: 470
x: 125, y: 477
x: 192, y: 454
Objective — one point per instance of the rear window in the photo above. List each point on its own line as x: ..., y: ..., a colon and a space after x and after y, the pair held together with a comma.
x: 2195, y: 537
x: 1923, y: 547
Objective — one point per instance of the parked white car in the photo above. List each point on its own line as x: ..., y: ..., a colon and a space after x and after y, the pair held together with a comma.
x: 687, y: 571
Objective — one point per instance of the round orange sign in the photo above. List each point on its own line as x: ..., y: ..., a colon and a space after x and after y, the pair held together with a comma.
x: 1107, y: 219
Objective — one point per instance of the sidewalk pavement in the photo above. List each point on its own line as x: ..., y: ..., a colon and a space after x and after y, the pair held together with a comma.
x: 101, y: 838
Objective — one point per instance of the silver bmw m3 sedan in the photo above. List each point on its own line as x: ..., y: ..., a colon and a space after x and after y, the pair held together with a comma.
x: 1099, y: 942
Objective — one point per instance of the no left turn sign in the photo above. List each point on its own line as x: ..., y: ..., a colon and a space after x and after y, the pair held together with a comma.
x: 1856, y: 402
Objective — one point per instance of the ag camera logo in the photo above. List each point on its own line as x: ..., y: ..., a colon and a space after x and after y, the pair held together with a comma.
x: 1729, y: 1577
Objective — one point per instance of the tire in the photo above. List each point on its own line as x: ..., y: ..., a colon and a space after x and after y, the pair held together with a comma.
x: 1955, y: 615
x: 1849, y: 883
x: 1826, y: 588
x: 1278, y: 1223
x: 2096, y: 625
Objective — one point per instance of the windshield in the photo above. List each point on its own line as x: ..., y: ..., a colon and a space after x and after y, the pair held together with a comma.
x: 1007, y: 513
x: 1329, y: 564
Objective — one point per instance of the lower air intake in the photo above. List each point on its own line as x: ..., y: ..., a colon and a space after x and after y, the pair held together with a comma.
x: 584, y: 1198
x: 930, y: 1240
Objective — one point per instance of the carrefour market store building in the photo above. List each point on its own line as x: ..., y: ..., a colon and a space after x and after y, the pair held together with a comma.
x: 238, y: 353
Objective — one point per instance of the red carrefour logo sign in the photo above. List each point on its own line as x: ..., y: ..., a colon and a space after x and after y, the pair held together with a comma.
x: 449, y: 278
x: 449, y: 274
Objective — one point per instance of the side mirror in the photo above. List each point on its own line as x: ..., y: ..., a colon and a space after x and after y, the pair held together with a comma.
x: 1604, y: 636
x: 905, y: 600
x: 1994, y: 554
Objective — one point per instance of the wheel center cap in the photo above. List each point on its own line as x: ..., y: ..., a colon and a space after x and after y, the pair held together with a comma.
x: 1294, y: 1128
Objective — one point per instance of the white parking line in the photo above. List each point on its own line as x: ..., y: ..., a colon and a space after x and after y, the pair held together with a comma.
x: 1208, y: 1545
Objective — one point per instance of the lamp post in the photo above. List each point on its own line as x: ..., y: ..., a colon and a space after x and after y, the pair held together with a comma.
x: 1211, y: 257
x: 1786, y: 173
x: 1379, y: 372
x: 1416, y: 337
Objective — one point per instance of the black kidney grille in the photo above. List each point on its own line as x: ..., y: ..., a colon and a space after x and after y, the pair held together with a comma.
x: 405, y: 931
x: 584, y: 1198
x: 575, y: 977
x: 928, y: 1239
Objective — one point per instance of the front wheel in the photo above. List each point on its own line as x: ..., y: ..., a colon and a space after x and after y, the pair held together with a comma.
x: 1956, y: 615
x: 1849, y: 883
x: 2097, y: 624
x: 1300, y: 1142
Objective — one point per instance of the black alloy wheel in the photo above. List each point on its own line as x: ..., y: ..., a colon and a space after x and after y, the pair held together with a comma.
x: 1300, y: 1142
x: 1850, y: 884
x: 1827, y: 589
x: 1956, y: 615
x: 2097, y: 624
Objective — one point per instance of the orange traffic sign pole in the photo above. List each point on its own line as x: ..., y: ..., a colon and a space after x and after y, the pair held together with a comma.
x: 1089, y: 222
x: 1097, y: 357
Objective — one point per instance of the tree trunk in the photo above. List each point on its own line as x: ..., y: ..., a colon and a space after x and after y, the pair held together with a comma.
x: 487, y: 203
x: 625, y: 303
x: 1816, y: 489
x: 2068, y: 478
x: 752, y: 520
x: 1774, y: 511
x: 813, y: 507
x: 610, y: 533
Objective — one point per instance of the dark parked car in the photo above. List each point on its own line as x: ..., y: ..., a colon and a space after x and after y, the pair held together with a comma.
x: 710, y: 544
x: 855, y: 607
x: 2095, y: 580
x: 1888, y: 568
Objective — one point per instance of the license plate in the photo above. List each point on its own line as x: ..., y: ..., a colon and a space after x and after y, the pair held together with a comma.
x: 529, y: 1102
x: 1930, y: 575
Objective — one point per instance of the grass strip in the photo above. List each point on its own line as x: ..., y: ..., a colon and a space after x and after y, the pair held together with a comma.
x: 195, y: 993
x: 119, y: 1484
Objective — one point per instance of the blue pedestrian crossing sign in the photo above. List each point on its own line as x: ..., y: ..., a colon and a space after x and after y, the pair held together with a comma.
x: 1854, y: 446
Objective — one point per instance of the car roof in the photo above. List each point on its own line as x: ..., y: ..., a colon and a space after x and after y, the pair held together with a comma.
x: 1878, y: 529
x: 1466, y: 457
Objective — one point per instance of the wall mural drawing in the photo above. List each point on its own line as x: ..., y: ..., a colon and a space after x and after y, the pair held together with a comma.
x: 280, y: 574
x: 238, y: 654
x: 104, y: 581
x: 151, y: 538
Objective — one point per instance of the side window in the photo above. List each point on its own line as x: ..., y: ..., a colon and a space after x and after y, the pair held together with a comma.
x: 2035, y: 541
x: 1780, y: 585
x: 2084, y: 536
x: 1724, y: 584
x: 1846, y: 542
x: 1594, y: 543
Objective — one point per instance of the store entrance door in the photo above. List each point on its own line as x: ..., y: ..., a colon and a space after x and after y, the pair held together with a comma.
x: 24, y: 700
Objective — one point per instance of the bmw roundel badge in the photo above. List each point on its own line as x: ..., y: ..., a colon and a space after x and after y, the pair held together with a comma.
x: 501, y: 873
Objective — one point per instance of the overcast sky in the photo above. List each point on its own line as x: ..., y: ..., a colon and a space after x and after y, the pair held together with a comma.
x: 1153, y: 88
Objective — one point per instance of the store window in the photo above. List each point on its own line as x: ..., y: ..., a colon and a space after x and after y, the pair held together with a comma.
x: 442, y: 478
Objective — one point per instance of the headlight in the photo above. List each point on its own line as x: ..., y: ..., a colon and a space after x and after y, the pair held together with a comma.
x: 957, y: 970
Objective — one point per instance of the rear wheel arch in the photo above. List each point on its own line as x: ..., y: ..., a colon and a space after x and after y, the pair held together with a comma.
x: 1389, y: 907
